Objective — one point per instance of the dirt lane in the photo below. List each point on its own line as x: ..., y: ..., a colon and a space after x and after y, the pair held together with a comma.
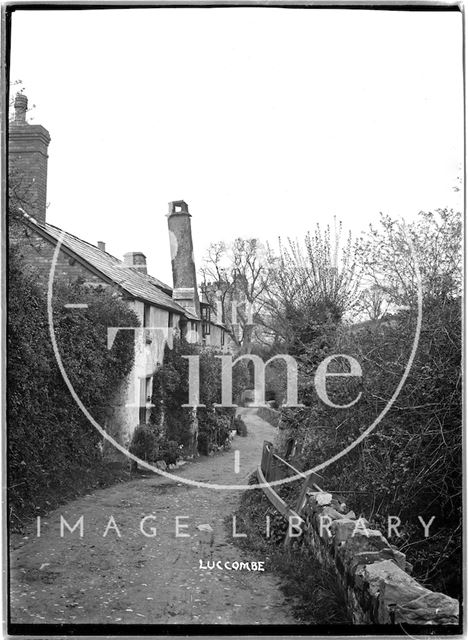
x: 138, y: 579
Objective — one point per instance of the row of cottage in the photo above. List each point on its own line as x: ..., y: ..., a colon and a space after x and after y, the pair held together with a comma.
x: 156, y: 304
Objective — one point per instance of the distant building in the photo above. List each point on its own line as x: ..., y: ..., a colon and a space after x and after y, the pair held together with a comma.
x: 155, y: 303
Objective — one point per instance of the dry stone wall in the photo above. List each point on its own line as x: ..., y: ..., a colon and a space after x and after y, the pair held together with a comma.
x: 270, y: 415
x: 374, y: 575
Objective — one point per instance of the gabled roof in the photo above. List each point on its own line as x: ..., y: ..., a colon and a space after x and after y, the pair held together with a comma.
x: 214, y: 321
x: 191, y: 315
x: 136, y: 284
x: 157, y: 283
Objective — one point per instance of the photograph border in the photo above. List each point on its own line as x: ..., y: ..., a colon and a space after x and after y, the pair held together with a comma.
x: 198, y: 630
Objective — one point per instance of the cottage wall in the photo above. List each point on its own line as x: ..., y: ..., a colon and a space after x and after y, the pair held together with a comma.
x: 150, y: 342
x: 124, y: 414
x: 215, y: 337
x: 38, y: 252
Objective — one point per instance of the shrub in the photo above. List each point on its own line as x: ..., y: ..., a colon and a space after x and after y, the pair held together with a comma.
x: 50, y: 441
x: 410, y: 465
x: 241, y: 427
x: 213, y: 431
x: 144, y: 443
x: 170, y: 392
x: 151, y: 446
x: 229, y: 413
x: 169, y: 451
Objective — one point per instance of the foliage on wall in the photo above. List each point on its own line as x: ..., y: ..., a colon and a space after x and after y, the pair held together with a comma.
x: 411, y: 464
x: 175, y: 423
x: 49, y: 438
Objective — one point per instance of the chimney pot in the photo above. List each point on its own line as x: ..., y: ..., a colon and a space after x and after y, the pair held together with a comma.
x: 177, y: 207
x: 27, y: 157
x: 137, y: 260
x: 101, y: 245
x: 21, y: 107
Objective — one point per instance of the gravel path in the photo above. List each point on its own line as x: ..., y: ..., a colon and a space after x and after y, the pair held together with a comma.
x: 148, y: 580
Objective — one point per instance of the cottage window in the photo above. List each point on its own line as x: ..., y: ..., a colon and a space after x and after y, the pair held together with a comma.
x: 206, y: 319
x: 148, y: 388
x: 147, y: 315
x: 145, y: 398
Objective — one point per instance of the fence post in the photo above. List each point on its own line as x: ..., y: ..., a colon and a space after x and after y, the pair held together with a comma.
x: 266, y: 459
x: 309, y: 482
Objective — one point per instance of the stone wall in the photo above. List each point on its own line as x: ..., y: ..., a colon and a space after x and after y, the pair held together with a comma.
x: 270, y: 415
x: 374, y: 575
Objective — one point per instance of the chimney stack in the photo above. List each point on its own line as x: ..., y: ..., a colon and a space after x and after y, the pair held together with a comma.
x: 27, y: 157
x: 101, y: 245
x: 183, y: 264
x: 137, y: 260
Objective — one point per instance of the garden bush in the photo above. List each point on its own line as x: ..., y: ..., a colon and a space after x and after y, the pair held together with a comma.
x: 170, y: 392
x: 213, y: 431
x: 52, y: 447
x: 144, y: 443
x: 241, y: 427
x: 173, y: 421
x: 169, y: 451
x: 410, y: 466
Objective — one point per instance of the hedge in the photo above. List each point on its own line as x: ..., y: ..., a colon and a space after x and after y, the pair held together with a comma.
x: 173, y: 422
x: 51, y: 444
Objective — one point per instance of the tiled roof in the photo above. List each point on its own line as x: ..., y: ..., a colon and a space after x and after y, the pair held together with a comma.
x: 164, y: 287
x: 138, y: 285
x: 191, y: 315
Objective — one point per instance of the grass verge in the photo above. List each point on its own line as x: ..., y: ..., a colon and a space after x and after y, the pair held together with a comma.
x: 313, y: 593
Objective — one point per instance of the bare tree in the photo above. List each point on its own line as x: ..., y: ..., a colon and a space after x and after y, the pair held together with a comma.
x: 390, y: 253
x: 374, y: 303
x: 234, y: 278
x: 312, y: 284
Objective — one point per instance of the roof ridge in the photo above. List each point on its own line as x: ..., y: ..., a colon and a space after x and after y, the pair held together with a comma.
x: 134, y: 269
x: 137, y: 284
x: 72, y: 235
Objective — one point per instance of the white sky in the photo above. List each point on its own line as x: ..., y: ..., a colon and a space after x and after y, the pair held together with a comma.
x: 265, y: 121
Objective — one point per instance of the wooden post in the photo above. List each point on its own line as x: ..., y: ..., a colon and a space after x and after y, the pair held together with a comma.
x: 310, y: 482
x: 266, y: 459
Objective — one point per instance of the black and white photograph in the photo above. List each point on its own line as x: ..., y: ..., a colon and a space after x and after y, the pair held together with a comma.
x: 232, y: 268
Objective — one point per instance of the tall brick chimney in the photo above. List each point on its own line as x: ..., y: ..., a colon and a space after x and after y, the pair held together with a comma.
x: 27, y: 157
x: 183, y: 264
x: 137, y: 260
